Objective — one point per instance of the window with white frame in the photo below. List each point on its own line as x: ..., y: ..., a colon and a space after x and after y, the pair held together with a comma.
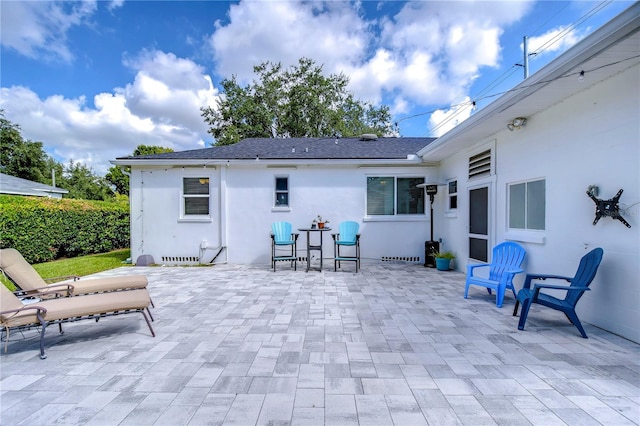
x: 393, y: 195
x: 527, y: 205
x: 452, y: 190
x: 282, y: 191
x: 195, y: 195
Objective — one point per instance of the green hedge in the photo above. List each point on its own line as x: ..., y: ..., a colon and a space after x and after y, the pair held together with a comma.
x: 44, y: 229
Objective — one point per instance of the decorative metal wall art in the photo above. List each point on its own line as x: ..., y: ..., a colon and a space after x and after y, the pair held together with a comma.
x: 608, y: 208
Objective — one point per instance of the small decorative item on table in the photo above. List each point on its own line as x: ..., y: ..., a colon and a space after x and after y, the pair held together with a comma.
x: 320, y: 221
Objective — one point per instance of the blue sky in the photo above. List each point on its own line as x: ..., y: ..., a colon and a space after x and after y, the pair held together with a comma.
x: 92, y: 80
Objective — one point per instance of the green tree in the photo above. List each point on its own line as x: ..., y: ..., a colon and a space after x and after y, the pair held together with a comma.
x: 295, y: 102
x: 82, y: 183
x: 20, y: 158
x: 120, y: 180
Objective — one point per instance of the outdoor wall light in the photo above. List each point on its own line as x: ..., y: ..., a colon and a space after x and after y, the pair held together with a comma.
x: 517, y: 123
x: 431, y: 247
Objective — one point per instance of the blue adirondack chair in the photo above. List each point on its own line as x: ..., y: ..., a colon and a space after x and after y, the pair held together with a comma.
x: 579, y: 284
x: 347, y: 236
x: 505, y: 264
x: 281, y: 237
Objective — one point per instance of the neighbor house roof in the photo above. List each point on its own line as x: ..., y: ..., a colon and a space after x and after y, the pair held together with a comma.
x: 17, y: 186
x: 294, y: 149
x: 606, y: 52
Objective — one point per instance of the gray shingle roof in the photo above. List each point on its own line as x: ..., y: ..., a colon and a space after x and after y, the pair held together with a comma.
x: 301, y: 149
x: 18, y: 186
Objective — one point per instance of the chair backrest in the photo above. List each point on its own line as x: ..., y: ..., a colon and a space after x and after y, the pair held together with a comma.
x: 506, y: 256
x: 348, y: 231
x: 281, y: 232
x: 8, y: 302
x: 19, y: 270
x: 585, y: 274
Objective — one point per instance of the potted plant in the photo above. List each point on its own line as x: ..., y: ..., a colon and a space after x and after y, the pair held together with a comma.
x: 444, y: 260
x: 320, y: 221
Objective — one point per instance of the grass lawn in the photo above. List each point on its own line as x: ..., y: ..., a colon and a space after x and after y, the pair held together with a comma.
x: 83, y: 265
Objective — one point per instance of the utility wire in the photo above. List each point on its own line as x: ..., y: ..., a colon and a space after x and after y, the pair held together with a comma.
x: 458, y: 108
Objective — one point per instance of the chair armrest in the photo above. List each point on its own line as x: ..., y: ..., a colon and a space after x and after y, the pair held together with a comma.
x: 530, y: 277
x: 54, y: 289
x: 25, y: 308
x: 470, y: 268
x: 561, y: 287
x: 64, y: 277
x: 538, y: 287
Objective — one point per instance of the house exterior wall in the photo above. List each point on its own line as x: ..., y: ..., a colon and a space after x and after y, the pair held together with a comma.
x: 157, y: 228
x: 242, y: 211
x: 592, y: 138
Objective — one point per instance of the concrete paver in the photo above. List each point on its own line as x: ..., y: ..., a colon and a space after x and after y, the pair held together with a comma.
x: 394, y: 344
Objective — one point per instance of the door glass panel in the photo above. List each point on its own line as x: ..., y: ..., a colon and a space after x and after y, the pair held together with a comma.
x: 478, y: 249
x: 478, y: 211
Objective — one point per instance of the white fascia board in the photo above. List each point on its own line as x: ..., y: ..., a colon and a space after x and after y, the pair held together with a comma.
x: 417, y: 160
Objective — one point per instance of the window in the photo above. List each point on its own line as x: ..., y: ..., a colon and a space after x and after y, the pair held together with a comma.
x: 282, y: 191
x: 195, y: 192
x: 390, y: 195
x: 527, y: 205
x: 452, y: 188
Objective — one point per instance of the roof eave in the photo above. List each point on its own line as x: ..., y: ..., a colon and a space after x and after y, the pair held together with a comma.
x: 410, y: 160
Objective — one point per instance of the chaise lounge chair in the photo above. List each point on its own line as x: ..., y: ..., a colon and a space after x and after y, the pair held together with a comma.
x: 15, y: 315
x: 28, y: 280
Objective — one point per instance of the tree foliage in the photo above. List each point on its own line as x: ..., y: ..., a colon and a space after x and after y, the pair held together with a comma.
x: 295, y: 102
x: 20, y: 158
x: 82, y: 183
x: 119, y: 179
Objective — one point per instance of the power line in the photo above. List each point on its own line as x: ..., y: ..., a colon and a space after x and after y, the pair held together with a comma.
x: 458, y: 108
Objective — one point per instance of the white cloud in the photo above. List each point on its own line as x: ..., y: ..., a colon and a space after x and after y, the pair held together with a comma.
x: 553, y: 41
x: 331, y: 33
x: 428, y: 53
x: 115, y: 4
x: 441, y: 121
x: 161, y: 107
x: 39, y: 28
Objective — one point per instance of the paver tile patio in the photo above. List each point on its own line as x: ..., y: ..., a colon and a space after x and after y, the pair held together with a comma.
x: 394, y: 344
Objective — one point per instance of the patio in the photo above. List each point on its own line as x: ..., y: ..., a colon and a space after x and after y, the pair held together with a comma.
x: 394, y: 344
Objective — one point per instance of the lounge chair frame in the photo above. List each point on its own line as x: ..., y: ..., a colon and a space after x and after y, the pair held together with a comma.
x: 42, y: 323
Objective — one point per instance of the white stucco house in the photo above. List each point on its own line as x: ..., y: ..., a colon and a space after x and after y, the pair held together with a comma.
x: 518, y: 170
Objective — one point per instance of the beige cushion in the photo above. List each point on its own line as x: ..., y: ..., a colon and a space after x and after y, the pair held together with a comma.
x: 69, y: 307
x: 19, y: 270
x: 8, y: 301
x: 95, y: 285
x: 23, y: 274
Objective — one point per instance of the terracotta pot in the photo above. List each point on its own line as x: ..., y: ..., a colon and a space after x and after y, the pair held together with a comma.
x: 320, y: 225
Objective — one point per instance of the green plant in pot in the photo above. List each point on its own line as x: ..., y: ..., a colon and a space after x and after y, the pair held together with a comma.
x: 444, y: 260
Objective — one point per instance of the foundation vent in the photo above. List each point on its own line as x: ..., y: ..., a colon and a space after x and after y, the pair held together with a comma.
x: 408, y: 259
x: 180, y: 260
